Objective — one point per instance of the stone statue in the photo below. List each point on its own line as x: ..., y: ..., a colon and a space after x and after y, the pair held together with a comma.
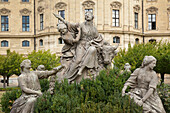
x: 87, y: 49
x: 127, y: 67
x: 30, y: 86
x: 143, y: 82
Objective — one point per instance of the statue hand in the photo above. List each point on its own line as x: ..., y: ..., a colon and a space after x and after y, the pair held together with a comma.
x: 39, y: 93
x: 140, y: 103
x: 58, y: 68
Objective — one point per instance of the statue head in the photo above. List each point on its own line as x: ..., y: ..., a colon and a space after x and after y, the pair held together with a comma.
x: 62, y: 28
x: 25, y: 64
x: 127, y: 67
x: 89, y: 16
x: 149, y: 60
x: 41, y: 68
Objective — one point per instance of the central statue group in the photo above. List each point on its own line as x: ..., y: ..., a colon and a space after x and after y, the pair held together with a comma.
x: 85, y: 52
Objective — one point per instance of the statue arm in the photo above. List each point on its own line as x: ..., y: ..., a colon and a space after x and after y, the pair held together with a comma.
x: 78, y: 36
x: 148, y: 94
x: 60, y: 18
x: 46, y: 74
x: 26, y: 90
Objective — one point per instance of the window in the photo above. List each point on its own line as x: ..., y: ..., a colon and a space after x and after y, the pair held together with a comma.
x: 4, y: 43
x: 41, y: 21
x: 152, y: 40
x: 152, y: 21
x: 116, y: 39
x: 91, y: 10
x: 25, y: 0
x: 4, y: 0
x: 4, y: 23
x: 62, y: 13
x: 25, y: 23
x: 136, y: 20
x: 25, y: 43
x: 115, y: 18
x: 137, y: 40
x: 60, y: 41
x: 41, y: 42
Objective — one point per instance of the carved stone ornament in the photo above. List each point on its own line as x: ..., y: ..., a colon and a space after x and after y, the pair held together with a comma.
x: 152, y: 10
x: 168, y: 9
x: 88, y: 4
x: 60, y: 5
x: 25, y: 11
x: 4, y: 11
x: 40, y: 9
x: 116, y: 5
x: 136, y: 8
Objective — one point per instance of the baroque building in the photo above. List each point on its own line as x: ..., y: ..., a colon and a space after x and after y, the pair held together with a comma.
x: 28, y: 25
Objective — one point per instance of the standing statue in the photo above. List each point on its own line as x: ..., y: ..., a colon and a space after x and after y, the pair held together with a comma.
x: 88, y: 43
x: 30, y: 86
x: 143, y: 82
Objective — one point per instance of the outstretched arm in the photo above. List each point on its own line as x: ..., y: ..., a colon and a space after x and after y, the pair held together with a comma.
x: 60, y: 18
x: 46, y: 74
x: 78, y: 35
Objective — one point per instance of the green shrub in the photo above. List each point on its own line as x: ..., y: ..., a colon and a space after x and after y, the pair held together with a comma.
x: 90, y: 96
x: 44, y: 83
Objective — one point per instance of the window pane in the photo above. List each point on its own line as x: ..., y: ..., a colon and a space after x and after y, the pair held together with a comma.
x: 149, y: 26
x: 149, y: 18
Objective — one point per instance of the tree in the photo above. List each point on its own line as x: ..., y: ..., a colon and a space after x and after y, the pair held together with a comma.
x: 43, y: 58
x: 134, y: 56
x: 10, y: 65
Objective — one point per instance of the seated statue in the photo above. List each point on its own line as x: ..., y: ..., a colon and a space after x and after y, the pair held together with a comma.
x: 143, y: 82
x: 30, y: 86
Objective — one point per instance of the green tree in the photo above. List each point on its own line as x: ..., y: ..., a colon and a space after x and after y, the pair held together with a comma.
x: 43, y: 58
x: 134, y: 56
x: 10, y: 65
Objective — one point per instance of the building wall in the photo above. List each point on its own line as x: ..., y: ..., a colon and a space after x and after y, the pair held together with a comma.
x: 74, y: 13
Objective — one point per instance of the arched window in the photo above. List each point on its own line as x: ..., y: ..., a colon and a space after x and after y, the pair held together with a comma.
x: 4, y: 43
x: 41, y: 42
x: 152, y: 40
x: 137, y: 40
x: 116, y: 39
x: 25, y: 43
x: 60, y: 41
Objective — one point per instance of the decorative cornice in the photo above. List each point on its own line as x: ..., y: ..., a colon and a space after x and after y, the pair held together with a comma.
x: 152, y: 10
x: 116, y: 5
x: 60, y: 5
x: 25, y: 11
x: 168, y: 9
x: 136, y: 8
x: 40, y: 9
x: 88, y: 4
x: 4, y: 11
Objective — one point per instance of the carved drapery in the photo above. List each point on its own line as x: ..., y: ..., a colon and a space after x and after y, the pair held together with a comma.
x: 88, y: 4
x: 40, y: 9
x: 116, y: 5
x: 61, y: 5
x: 136, y: 8
x: 25, y: 11
x: 4, y: 11
x: 152, y: 10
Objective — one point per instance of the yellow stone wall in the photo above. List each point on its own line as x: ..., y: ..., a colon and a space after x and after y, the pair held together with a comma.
x: 74, y: 13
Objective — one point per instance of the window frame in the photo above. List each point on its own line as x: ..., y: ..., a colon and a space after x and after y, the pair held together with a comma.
x: 27, y: 43
x: 5, y: 43
x: 116, y: 39
x: 150, y: 22
x: 41, y: 21
x: 5, y: 23
x: 137, y: 41
x: 136, y: 16
x: 41, y: 42
x: 115, y: 18
x: 27, y: 28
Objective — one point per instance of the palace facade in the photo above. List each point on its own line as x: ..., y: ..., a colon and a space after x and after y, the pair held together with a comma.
x: 28, y: 25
